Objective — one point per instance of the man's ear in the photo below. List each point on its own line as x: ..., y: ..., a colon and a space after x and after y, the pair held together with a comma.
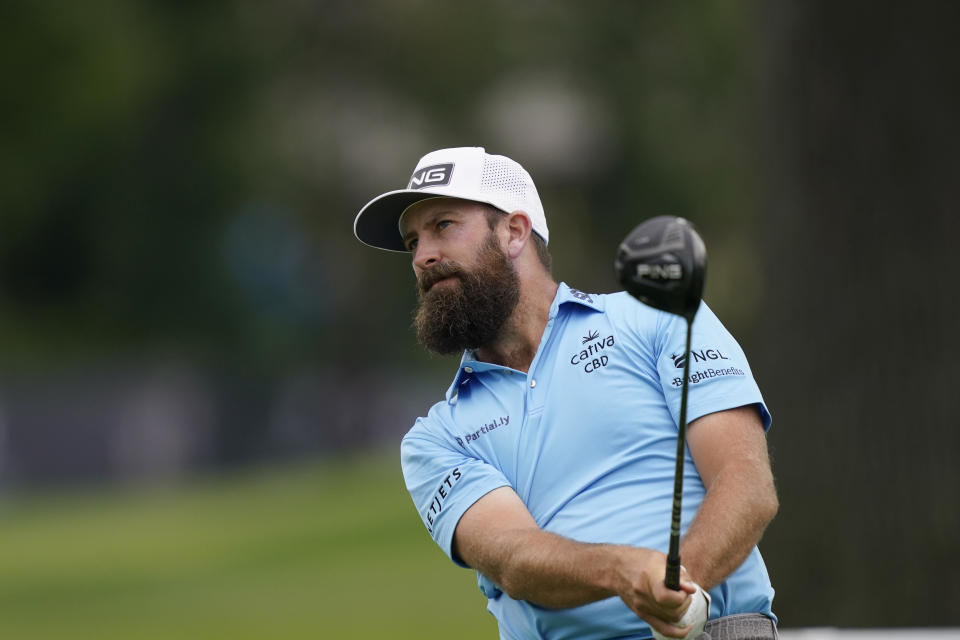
x: 518, y: 227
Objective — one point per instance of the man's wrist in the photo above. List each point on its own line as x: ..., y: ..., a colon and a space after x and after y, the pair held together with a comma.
x: 610, y: 559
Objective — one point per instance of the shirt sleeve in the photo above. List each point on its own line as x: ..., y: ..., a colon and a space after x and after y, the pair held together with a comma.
x: 444, y: 482
x: 720, y: 377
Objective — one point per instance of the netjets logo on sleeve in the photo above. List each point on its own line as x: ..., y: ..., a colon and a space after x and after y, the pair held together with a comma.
x: 437, y: 175
x: 440, y: 497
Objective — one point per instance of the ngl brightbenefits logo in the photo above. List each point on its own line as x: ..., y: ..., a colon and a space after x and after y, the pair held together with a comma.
x: 704, y: 356
x: 698, y: 356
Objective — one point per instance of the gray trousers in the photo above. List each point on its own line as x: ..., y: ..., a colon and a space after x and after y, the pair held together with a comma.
x: 744, y: 626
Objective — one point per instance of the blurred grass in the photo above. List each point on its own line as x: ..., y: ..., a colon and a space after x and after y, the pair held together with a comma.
x: 314, y: 550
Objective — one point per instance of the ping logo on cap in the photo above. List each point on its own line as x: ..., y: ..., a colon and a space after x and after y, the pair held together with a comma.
x: 437, y: 175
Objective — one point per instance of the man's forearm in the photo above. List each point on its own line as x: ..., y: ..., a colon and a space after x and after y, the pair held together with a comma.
x: 558, y: 573
x: 549, y: 570
x: 498, y: 537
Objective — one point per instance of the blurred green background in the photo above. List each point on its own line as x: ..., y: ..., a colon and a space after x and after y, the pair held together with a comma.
x: 204, y: 377
x: 328, y: 550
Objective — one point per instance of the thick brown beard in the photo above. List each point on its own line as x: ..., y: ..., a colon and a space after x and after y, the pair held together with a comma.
x: 471, y: 312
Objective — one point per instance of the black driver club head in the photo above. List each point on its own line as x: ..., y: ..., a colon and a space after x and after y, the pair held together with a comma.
x: 663, y: 263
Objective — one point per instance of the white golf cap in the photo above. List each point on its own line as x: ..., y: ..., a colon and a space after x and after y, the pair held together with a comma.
x: 469, y: 173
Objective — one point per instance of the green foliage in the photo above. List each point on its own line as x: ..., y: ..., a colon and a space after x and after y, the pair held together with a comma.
x: 146, y: 143
x: 319, y: 550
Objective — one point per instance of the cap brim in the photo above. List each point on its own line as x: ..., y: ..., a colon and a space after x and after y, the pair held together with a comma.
x: 378, y: 223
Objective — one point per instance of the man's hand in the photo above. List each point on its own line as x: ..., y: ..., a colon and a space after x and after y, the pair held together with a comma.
x: 695, y: 619
x: 641, y: 587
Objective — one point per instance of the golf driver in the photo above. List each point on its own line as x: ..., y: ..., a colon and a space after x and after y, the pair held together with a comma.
x: 662, y: 263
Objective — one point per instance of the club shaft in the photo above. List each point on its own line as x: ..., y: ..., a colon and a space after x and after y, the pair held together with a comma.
x: 672, y: 579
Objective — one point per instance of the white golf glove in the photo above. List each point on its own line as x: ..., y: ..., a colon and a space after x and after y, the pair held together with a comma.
x: 697, y: 614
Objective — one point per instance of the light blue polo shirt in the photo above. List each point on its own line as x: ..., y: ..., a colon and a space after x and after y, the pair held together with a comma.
x: 587, y: 439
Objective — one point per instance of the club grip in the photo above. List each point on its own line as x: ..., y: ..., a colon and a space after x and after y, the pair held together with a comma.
x: 672, y: 579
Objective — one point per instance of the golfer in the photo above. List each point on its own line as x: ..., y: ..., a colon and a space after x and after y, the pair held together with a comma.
x: 548, y: 467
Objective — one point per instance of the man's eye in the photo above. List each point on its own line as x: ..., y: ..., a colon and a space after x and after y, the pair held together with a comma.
x: 444, y: 223
x: 411, y: 245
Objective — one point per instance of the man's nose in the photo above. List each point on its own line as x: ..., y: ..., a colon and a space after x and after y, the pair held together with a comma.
x: 425, y: 255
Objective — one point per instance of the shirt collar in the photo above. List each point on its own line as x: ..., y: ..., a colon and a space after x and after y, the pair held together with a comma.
x: 469, y: 364
x: 567, y: 294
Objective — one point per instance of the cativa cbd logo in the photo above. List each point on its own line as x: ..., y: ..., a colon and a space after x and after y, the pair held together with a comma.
x: 592, y: 357
x: 437, y: 175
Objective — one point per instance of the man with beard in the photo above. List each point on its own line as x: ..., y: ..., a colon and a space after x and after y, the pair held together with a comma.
x: 548, y: 468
